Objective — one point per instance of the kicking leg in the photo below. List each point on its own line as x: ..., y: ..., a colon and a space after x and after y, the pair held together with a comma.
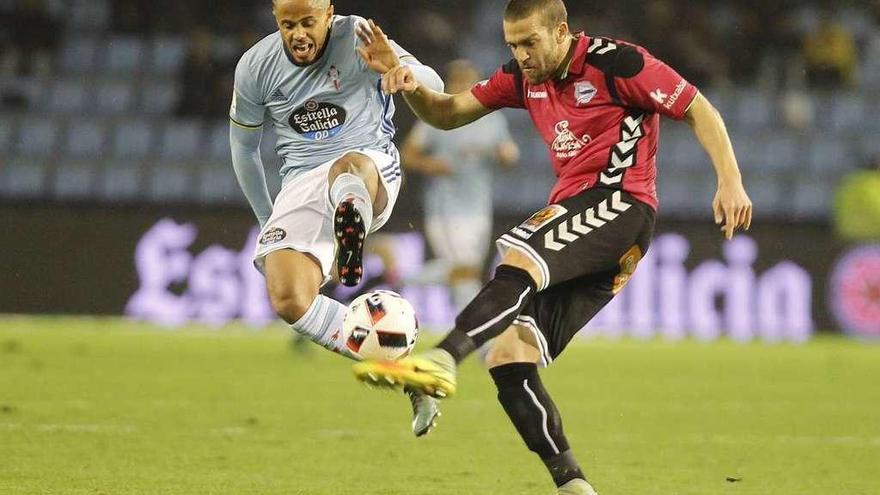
x: 491, y: 312
x: 512, y: 362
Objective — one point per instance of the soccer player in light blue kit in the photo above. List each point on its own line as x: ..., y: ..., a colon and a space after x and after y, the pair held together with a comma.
x: 318, y: 80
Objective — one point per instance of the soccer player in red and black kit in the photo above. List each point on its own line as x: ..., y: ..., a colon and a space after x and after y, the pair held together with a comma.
x: 597, y: 103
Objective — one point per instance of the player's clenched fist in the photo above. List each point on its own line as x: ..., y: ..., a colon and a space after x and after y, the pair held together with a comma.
x: 399, y: 79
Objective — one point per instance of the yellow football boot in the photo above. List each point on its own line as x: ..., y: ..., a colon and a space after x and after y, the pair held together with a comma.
x: 432, y: 373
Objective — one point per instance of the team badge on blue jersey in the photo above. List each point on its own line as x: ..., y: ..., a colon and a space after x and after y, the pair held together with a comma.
x: 333, y: 74
x: 318, y: 120
x: 584, y: 91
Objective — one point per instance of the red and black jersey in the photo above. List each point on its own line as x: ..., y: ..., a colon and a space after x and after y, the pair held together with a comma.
x: 601, y: 122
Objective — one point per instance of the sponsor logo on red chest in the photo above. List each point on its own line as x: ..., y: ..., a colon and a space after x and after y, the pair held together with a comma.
x: 567, y: 144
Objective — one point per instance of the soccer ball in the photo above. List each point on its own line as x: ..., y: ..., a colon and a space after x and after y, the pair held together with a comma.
x: 380, y: 325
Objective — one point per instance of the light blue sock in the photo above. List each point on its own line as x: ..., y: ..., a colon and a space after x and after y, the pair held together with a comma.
x: 322, y: 324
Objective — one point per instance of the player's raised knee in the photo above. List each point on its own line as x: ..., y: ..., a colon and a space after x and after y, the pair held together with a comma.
x: 353, y: 163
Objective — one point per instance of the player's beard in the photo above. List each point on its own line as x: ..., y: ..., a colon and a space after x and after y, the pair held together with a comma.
x: 535, y: 75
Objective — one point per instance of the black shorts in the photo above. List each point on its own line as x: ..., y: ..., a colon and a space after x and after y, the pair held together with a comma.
x: 587, y: 248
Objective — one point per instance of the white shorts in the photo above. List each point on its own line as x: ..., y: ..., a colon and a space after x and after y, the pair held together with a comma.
x: 302, y: 217
x: 459, y: 240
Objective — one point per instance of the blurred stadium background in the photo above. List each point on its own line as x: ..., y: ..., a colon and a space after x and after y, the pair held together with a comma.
x: 117, y: 197
x: 113, y: 126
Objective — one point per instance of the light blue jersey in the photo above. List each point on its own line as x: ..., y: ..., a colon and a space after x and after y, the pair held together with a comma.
x: 471, y: 152
x: 320, y: 110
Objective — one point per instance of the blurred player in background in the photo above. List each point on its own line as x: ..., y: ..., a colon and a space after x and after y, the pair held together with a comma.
x: 317, y: 80
x: 597, y: 103
x: 458, y: 193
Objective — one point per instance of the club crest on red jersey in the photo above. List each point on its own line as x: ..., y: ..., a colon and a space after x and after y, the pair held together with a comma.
x: 584, y: 91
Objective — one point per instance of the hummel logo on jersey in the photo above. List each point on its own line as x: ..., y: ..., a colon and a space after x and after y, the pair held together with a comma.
x: 277, y: 95
x: 658, y: 95
x: 537, y: 94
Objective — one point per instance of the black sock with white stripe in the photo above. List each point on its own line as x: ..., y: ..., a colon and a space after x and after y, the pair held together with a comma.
x: 491, y: 311
x: 533, y: 413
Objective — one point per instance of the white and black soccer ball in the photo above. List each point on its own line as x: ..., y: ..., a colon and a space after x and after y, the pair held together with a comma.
x: 380, y: 325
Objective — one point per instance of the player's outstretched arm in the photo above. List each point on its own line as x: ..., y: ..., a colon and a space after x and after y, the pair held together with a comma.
x: 732, y: 206
x: 440, y: 110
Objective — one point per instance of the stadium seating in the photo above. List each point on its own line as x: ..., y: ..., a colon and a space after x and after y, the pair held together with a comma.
x: 121, y: 181
x: 37, y: 136
x: 159, y: 98
x: 74, y: 181
x: 133, y: 139
x: 166, y: 55
x: 217, y: 185
x: 79, y: 53
x: 181, y: 140
x: 23, y: 178
x: 85, y: 138
x: 106, y: 123
x: 69, y: 95
x: 114, y: 97
x: 169, y: 182
x: 6, y: 130
x: 123, y: 55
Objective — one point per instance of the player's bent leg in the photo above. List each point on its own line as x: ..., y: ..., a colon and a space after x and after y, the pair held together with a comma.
x: 512, y: 362
x: 356, y: 192
x: 293, y: 280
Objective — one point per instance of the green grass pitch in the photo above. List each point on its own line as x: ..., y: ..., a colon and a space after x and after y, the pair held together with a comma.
x: 115, y: 408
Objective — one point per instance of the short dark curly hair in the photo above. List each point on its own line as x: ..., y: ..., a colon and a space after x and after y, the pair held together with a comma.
x: 554, y: 11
